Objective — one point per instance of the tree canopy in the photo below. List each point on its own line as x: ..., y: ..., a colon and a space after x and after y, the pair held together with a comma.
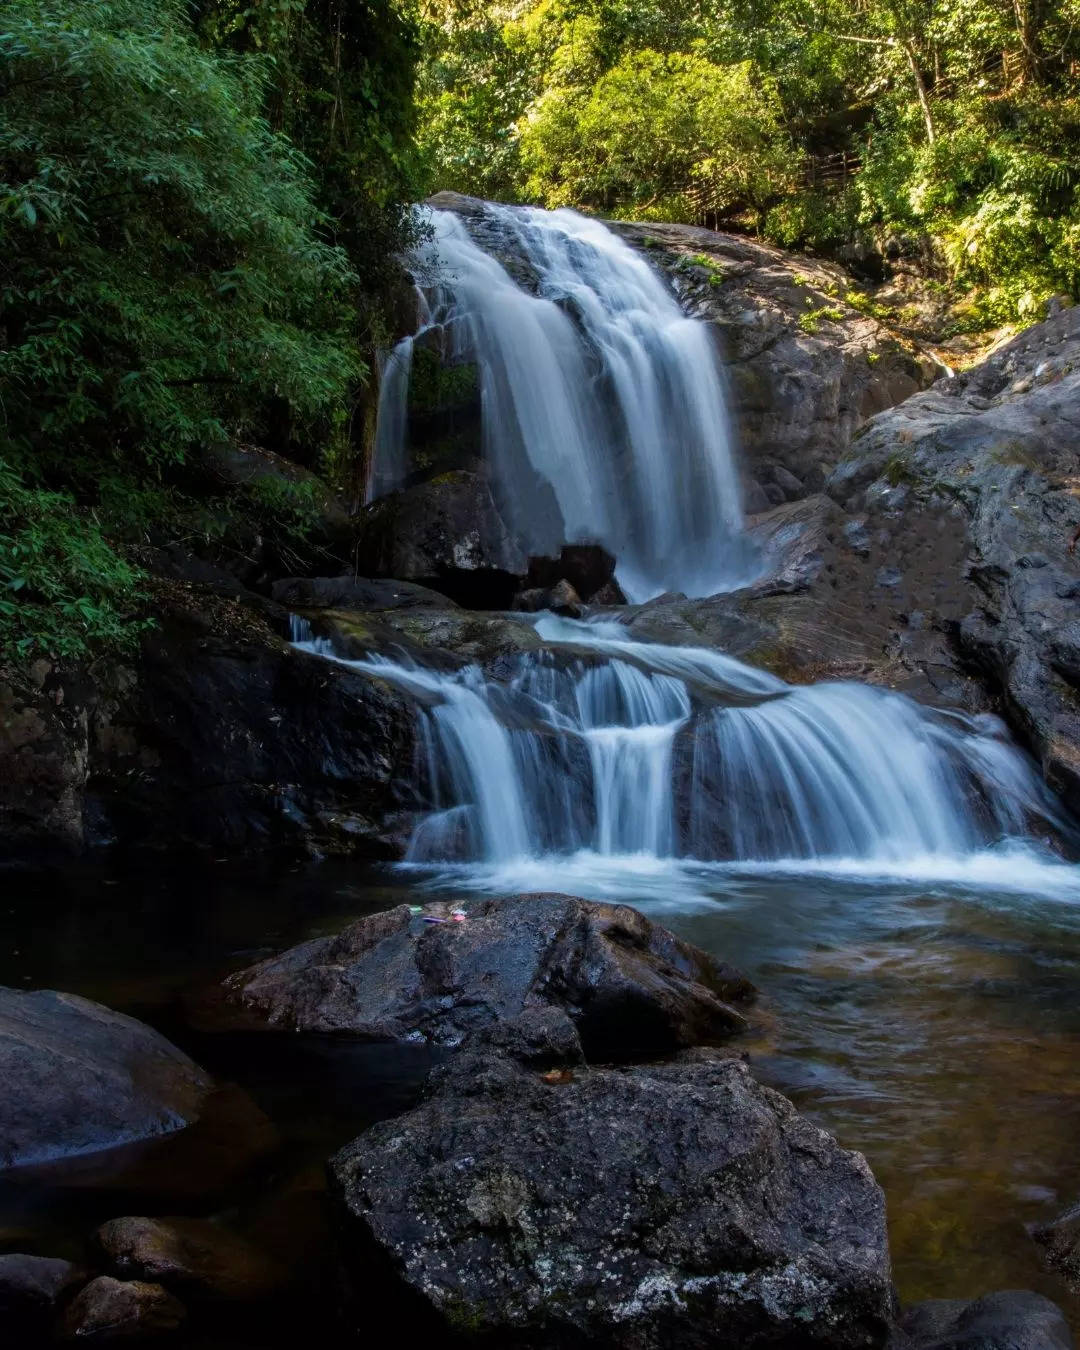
x: 814, y: 122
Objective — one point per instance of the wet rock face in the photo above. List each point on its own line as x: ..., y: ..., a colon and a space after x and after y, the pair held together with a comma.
x: 43, y: 758
x: 227, y: 736
x: 677, y: 1206
x: 1014, y: 1319
x: 986, y: 463
x: 446, y: 533
x: 626, y: 986
x: 805, y: 368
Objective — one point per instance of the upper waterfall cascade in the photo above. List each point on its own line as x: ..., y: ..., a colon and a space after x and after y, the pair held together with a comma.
x: 592, y: 382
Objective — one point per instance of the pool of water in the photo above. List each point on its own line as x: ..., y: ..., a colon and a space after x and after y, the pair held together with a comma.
x: 932, y: 1021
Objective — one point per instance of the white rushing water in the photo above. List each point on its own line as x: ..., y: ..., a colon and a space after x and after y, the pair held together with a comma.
x: 602, y: 755
x: 594, y: 383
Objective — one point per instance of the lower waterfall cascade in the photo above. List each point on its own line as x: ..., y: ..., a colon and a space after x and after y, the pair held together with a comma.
x: 606, y: 747
x: 594, y: 383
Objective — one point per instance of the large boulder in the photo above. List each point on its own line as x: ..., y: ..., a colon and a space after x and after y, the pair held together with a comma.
x: 446, y: 533
x: 81, y: 1082
x: 80, y: 1078
x: 676, y: 1206
x: 628, y: 986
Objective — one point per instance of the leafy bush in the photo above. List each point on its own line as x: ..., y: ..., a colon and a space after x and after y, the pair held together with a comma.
x: 63, y: 588
x: 164, y: 283
x: 656, y: 134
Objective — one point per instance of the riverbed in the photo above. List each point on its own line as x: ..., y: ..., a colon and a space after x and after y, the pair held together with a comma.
x: 932, y: 1022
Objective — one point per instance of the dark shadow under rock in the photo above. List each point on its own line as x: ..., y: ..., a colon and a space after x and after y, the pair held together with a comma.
x: 356, y: 593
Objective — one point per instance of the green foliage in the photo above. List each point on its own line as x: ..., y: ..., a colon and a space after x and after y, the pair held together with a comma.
x: 953, y: 127
x: 339, y: 84
x: 63, y: 588
x: 170, y: 272
x: 655, y: 133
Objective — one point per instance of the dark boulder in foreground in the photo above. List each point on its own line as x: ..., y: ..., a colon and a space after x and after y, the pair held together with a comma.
x: 1013, y: 1319
x: 675, y: 1206
x: 628, y: 986
x: 93, y: 1097
x: 79, y: 1078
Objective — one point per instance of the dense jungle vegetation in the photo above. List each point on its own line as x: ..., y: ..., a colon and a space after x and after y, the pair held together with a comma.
x: 200, y: 206
x: 952, y: 125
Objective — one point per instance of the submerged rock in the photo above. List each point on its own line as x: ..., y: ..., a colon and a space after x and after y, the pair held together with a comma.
x: 196, y: 1257
x: 109, y: 1310
x: 1014, y: 1319
x: 653, y: 1208
x: 628, y: 986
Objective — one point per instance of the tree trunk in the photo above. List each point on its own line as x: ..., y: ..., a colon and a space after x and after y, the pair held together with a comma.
x: 920, y: 87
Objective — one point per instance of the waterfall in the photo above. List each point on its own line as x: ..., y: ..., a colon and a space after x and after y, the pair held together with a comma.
x: 601, y: 744
x: 593, y: 382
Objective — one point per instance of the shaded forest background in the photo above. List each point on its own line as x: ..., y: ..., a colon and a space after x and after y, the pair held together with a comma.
x: 201, y: 208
